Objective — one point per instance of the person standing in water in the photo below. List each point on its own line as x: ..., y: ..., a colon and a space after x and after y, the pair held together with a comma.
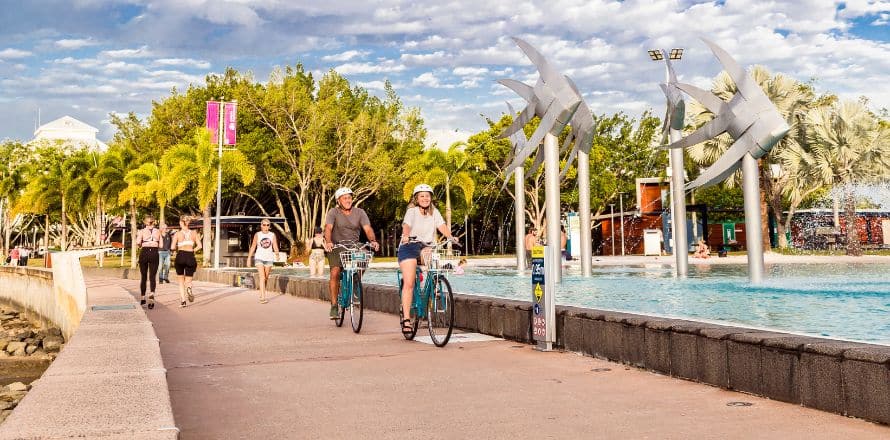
x: 316, y: 255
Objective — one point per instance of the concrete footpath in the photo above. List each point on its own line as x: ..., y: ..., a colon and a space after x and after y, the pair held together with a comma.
x: 238, y: 369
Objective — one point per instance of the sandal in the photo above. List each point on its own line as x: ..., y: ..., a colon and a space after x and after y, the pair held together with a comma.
x: 407, y: 327
x: 182, y: 305
x: 188, y: 291
x: 263, y: 301
x: 151, y: 301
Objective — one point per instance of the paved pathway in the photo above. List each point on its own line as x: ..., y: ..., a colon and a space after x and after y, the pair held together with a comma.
x: 239, y: 369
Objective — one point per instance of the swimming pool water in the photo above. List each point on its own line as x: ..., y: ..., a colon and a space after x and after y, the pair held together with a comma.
x: 845, y: 301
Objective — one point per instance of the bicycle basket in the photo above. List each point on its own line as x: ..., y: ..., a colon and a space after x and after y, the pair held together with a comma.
x: 356, y: 259
x: 444, y: 260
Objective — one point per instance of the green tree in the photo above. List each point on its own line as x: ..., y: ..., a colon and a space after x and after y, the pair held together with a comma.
x: 196, y: 164
x: 449, y: 170
x: 14, y: 159
x: 848, y: 146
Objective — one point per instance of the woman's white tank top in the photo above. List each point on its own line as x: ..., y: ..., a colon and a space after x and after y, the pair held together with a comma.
x: 186, y: 239
x: 264, y: 249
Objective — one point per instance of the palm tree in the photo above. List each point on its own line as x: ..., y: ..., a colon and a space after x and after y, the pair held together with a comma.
x: 197, y: 164
x: 793, y: 99
x: 448, y: 170
x: 110, y: 180
x: 13, y: 158
x: 848, y: 147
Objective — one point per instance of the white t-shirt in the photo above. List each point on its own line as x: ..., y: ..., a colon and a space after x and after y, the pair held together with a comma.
x: 423, y: 226
x: 264, y: 250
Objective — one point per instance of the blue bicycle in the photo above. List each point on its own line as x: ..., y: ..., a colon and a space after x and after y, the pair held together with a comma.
x: 434, y: 301
x: 355, y: 259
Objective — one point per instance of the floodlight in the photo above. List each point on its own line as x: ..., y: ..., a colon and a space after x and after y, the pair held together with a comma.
x: 676, y: 54
x: 656, y: 55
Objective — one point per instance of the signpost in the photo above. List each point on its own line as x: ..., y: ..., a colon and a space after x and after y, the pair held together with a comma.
x: 543, y: 312
x: 220, y: 121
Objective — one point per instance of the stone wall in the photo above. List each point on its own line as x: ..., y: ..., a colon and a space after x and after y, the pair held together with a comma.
x: 847, y: 378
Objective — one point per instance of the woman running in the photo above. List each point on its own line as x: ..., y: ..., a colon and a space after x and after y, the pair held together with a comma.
x: 186, y: 242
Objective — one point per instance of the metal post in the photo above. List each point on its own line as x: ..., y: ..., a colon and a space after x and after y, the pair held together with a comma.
x: 621, y: 208
x: 551, y: 203
x: 612, y: 225
x: 552, y: 255
x: 678, y: 206
x: 219, y: 138
x: 519, y: 190
x: 584, y: 210
x: 753, y: 234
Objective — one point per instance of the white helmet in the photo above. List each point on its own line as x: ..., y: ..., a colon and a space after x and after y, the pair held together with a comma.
x: 421, y: 188
x: 341, y: 192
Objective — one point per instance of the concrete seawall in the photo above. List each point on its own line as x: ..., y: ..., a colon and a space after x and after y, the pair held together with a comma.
x: 108, y: 381
x: 847, y: 378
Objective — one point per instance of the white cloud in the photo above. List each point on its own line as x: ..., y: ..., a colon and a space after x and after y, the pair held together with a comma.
x: 74, y: 44
x: 142, y: 52
x: 469, y: 71
x: 13, y: 54
x: 362, y: 68
x: 187, y: 62
x: 346, y: 56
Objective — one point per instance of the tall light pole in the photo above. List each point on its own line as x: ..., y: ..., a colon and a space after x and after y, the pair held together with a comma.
x: 621, y: 208
x: 612, y: 225
x: 673, y: 124
x: 220, y: 139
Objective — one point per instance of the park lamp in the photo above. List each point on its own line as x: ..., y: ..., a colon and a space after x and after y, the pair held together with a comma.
x: 676, y: 54
x: 656, y: 55
x: 775, y: 171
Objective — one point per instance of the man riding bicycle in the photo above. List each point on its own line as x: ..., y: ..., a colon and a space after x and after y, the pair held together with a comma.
x: 343, y: 223
x: 419, y: 228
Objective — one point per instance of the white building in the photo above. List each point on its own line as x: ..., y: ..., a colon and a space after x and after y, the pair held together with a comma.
x: 69, y: 133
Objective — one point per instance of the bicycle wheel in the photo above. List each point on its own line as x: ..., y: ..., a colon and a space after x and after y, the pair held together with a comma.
x: 440, y: 311
x: 341, y: 301
x: 356, y: 308
x: 408, y: 335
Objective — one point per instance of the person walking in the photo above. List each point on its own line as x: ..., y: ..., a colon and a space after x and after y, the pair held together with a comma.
x: 148, y: 239
x: 164, y: 254
x: 343, y: 223
x: 265, y: 245
x: 186, y: 242
x: 316, y: 255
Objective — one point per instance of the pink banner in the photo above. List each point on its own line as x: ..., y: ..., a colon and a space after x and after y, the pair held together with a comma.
x: 231, y: 110
x: 212, y: 121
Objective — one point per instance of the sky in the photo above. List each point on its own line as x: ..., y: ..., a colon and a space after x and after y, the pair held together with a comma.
x: 90, y: 58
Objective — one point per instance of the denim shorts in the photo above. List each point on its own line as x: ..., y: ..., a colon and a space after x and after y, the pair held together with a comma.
x: 258, y: 262
x: 410, y: 251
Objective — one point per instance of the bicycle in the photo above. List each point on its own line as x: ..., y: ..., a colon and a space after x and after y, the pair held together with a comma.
x: 434, y: 302
x: 354, y: 260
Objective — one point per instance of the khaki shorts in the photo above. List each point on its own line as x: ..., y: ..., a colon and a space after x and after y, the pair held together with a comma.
x: 334, y: 257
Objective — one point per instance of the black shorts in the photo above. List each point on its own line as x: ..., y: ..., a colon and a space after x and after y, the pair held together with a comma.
x: 185, y: 263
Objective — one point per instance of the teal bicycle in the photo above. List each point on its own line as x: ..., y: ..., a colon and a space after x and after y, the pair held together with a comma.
x: 355, y: 259
x: 434, y: 301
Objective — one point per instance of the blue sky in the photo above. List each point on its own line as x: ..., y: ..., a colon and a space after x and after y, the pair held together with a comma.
x: 89, y: 58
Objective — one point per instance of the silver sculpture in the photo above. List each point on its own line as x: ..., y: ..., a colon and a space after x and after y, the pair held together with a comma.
x: 557, y: 101
x: 756, y: 126
x: 673, y: 125
x: 517, y: 142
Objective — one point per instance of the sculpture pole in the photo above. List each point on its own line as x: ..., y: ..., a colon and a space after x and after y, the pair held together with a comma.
x: 678, y: 207
x: 584, y: 210
x: 551, y: 204
x: 519, y: 189
x: 753, y: 234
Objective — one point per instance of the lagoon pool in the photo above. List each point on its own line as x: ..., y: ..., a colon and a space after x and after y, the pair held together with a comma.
x: 844, y: 301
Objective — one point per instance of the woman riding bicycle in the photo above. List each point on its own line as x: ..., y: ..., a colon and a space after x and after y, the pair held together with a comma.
x: 418, y: 230
x: 343, y: 223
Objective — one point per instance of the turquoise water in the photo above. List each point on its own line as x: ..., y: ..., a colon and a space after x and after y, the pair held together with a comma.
x: 845, y: 301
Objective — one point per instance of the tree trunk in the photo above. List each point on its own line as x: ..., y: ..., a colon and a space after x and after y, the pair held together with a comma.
x: 161, y: 219
x: 132, y: 234
x: 764, y: 212
x: 207, y: 235
x: 6, y: 225
x: 854, y: 248
x: 46, y: 239
x: 448, y: 204
x: 64, y: 225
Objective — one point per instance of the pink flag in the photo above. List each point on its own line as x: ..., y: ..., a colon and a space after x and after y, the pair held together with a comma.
x: 230, y: 113
x: 212, y: 121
